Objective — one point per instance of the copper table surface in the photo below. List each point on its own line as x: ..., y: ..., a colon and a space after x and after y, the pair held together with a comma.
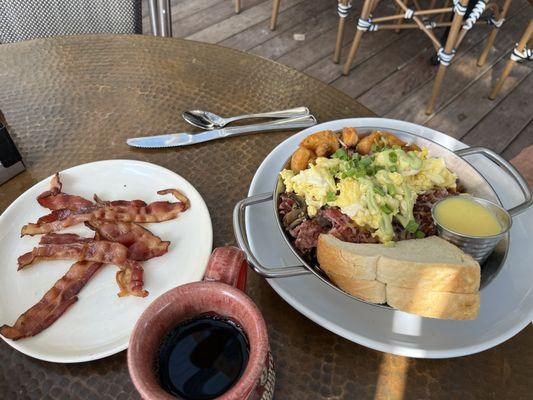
x: 74, y: 100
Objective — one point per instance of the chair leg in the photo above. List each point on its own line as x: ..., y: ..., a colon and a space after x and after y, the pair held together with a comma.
x: 343, y: 8
x: 510, y: 64
x: 237, y: 6
x: 490, y: 40
x: 398, y: 11
x: 446, y: 55
x: 365, y: 14
x: 275, y: 12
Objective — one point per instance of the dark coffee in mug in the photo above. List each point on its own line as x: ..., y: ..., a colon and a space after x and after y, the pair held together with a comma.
x: 202, y: 358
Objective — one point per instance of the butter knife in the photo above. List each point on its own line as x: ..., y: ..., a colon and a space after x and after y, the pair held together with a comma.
x: 186, y: 139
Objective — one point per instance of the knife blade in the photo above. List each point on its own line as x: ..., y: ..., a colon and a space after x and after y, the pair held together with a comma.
x: 186, y: 139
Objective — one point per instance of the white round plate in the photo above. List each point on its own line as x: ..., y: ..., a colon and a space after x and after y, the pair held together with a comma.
x: 99, y: 323
x: 506, y: 303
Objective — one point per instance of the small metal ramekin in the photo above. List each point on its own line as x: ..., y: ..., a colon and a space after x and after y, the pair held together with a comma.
x: 478, y: 247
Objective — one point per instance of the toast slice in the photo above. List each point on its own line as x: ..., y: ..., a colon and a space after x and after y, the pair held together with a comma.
x: 445, y: 305
x: 431, y: 263
x: 368, y: 290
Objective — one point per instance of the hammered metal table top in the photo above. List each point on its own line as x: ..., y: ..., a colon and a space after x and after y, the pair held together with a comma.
x: 74, y: 100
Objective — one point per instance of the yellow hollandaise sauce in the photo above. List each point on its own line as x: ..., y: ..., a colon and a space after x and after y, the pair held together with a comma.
x: 466, y: 216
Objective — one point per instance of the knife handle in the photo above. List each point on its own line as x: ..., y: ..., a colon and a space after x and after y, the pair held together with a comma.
x: 288, y: 123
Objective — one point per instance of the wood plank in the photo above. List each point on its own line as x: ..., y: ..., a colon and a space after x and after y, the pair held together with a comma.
x: 260, y: 33
x: 459, y: 76
x: 371, y: 44
x: 523, y: 140
x: 236, y: 23
x: 418, y: 71
x: 218, y: 12
x: 461, y: 115
x: 321, y: 48
x: 313, y: 27
x: 506, y: 120
x: 382, y: 65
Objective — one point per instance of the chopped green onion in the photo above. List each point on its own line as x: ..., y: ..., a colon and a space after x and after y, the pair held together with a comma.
x: 420, y: 234
x: 360, y: 172
x: 351, y: 172
x: 393, y: 157
x: 370, y: 170
x: 379, y: 190
x: 396, y: 147
x: 374, y: 147
x: 386, y: 209
x: 412, y: 226
x: 392, y: 168
x: 341, y: 153
x: 390, y: 189
x: 365, y: 161
x: 331, y: 196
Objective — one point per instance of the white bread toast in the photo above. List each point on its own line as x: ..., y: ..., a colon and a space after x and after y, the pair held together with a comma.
x: 444, y: 305
x: 429, y: 272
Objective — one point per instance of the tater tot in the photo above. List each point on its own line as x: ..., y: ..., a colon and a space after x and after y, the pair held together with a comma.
x: 349, y: 137
x: 324, y: 142
x: 301, y: 159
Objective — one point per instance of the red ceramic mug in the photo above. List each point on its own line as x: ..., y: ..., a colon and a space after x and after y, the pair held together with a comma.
x: 221, y: 292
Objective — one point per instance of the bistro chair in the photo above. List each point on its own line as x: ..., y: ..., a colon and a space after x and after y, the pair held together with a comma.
x: 465, y: 15
x: 520, y: 53
x: 343, y: 8
x: 28, y: 19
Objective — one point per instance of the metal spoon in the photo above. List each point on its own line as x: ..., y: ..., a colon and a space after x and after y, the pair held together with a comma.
x: 207, y: 120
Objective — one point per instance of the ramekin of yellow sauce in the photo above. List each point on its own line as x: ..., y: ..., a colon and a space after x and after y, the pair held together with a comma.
x: 473, y: 224
x: 462, y: 214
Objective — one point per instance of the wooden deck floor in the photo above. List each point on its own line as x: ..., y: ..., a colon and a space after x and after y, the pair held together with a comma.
x: 391, y: 74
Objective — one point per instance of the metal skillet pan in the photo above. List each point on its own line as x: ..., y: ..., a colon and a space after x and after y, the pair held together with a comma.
x: 473, y: 182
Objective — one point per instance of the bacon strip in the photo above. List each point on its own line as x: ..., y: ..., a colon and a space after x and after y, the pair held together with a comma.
x: 141, y: 243
x: 54, y: 303
x: 121, y: 210
x: 54, y: 199
x: 129, y: 278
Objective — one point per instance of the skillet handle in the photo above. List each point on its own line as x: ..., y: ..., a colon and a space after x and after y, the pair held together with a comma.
x: 242, y: 240
x: 511, y: 171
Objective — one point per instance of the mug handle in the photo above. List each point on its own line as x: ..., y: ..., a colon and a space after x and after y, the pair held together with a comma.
x: 509, y: 169
x: 242, y: 239
x: 227, y: 265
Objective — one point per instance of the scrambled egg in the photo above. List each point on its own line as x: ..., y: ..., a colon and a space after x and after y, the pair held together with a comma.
x: 372, y: 191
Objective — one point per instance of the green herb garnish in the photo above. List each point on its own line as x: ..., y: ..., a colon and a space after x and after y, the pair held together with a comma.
x: 331, y: 196
x: 390, y: 189
x: 365, y: 161
x: 412, y: 226
x: 386, y: 209
x: 420, y: 234
x: 379, y: 190
x: 374, y: 148
x: 341, y: 154
x: 393, y: 157
x: 392, y: 168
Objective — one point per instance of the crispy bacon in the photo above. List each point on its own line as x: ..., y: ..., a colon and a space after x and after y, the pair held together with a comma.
x: 54, y: 199
x: 121, y: 210
x: 54, y: 303
x: 63, y: 238
x: 141, y: 243
x: 129, y: 278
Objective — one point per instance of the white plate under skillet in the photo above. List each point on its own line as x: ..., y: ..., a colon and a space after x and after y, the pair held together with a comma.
x: 99, y: 324
x: 506, y: 302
